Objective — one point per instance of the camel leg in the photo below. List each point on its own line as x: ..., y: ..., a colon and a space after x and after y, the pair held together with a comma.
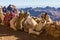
x: 26, y: 28
x: 33, y: 32
x: 21, y: 24
x: 12, y: 25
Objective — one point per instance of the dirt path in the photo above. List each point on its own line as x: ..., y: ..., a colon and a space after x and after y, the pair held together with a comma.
x: 8, y: 34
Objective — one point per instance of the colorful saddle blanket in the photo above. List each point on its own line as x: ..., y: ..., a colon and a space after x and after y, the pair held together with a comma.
x: 7, y: 19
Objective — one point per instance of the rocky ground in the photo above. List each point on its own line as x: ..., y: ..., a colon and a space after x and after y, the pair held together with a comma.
x: 8, y: 34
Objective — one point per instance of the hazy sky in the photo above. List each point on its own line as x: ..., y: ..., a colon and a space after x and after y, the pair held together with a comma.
x: 31, y: 3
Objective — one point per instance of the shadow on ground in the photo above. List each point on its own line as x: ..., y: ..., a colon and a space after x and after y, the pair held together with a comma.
x: 20, y: 35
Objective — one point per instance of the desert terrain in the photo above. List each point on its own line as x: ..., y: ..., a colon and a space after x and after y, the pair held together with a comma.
x: 7, y: 33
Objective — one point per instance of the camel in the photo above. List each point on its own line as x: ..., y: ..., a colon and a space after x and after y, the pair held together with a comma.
x: 20, y: 20
x: 31, y: 26
x: 44, y: 19
x: 13, y: 22
x: 51, y: 27
x: 1, y: 15
x: 16, y: 22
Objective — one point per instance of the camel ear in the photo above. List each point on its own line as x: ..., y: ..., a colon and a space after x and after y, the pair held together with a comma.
x: 45, y: 13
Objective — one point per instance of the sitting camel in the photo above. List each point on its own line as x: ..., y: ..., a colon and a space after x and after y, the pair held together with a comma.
x: 44, y: 19
x: 51, y: 27
x: 16, y: 22
x: 13, y: 22
x: 31, y: 26
x: 19, y: 23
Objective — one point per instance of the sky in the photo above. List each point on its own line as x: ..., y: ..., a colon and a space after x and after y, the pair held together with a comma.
x: 31, y: 3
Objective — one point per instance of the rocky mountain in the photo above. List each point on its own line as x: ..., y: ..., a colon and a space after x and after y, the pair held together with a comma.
x: 52, y: 11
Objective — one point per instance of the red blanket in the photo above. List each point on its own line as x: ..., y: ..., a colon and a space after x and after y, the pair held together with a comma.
x: 7, y: 19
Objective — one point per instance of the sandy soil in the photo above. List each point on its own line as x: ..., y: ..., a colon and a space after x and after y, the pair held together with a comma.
x: 7, y: 33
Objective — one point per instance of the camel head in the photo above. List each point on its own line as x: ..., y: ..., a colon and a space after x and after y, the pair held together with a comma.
x: 46, y: 17
x: 27, y: 14
x: 0, y: 8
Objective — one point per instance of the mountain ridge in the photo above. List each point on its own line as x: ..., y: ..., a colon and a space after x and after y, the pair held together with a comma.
x: 52, y: 11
